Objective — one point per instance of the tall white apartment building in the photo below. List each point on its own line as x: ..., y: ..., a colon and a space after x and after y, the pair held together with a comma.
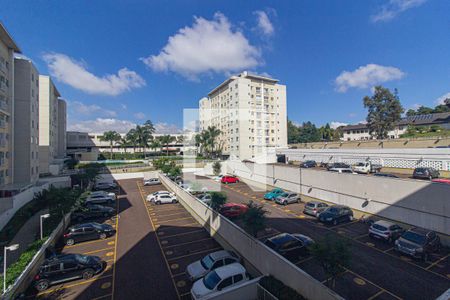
x: 26, y: 122
x: 250, y: 111
x: 62, y: 128
x: 48, y: 123
x: 7, y: 49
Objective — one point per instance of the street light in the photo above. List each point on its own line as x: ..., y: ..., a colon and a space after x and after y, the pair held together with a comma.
x: 41, y: 218
x: 10, y: 248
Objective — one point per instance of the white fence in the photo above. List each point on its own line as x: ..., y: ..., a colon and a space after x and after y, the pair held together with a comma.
x: 395, y: 158
x: 255, y: 253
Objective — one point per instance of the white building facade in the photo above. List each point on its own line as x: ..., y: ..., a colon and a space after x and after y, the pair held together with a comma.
x: 250, y: 111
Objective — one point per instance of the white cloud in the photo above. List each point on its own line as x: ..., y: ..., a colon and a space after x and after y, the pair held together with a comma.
x: 207, y: 46
x: 336, y: 124
x: 139, y: 115
x: 264, y: 23
x: 165, y: 128
x: 366, y: 76
x: 84, y: 109
x: 102, y: 125
x: 75, y: 74
x: 393, y: 8
x: 124, y: 106
x: 441, y: 99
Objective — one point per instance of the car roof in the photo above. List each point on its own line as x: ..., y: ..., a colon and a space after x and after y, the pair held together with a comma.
x: 230, y: 270
x: 420, y: 230
x: 220, y: 254
x: 59, y: 257
x: 281, y: 238
x: 384, y: 223
x: 339, y: 206
x: 314, y: 202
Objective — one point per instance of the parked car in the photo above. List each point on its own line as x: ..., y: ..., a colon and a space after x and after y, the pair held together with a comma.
x: 164, y: 199
x: 336, y: 214
x: 200, y: 268
x: 233, y: 210
x: 425, y: 173
x: 441, y: 180
x: 99, y: 199
x: 367, y: 167
x: 105, y: 185
x: 343, y: 170
x: 152, y: 181
x: 385, y: 230
x: 418, y: 242
x: 314, y: 208
x: 104, y: 193
x: 229, y: 179
x: 88, y: 231
x: 385, y: 175
x: 187, y: 187
x: 273, y: 194
x: 287, y: 198
x: 152, y: 197
x: 337, y: 165
x: 67, y: 267
x: 220, y: 279
x: 91, y: 212
x: 308, y: 164
x: 290, y: 245
x: 205, y: 198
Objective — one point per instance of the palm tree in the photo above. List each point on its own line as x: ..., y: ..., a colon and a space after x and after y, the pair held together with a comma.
x: 131, y: 136
x: 124, y: 143
x: 166, y: 140
x: 155, y: 144
x: 143, y: 136
x: 111, y: 137
x: 149, y: 126
x: 213, y: 133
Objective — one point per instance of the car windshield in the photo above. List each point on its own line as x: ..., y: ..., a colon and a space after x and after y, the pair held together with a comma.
x: 311, y: 205
x: 414, y: 237
x: 81, y: 258
x: 360, y: 164
x: 379, y: 227
x: 211, y: 280
x: 207, y: 262
x: 96, y: 226
x: 284, y: 195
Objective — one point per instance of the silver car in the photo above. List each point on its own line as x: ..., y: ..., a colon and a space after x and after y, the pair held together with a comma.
x: 200, y: 268
x: 287, y: 198
x: 314, y: 208
x: 385, y: 230
x: 152, y: 181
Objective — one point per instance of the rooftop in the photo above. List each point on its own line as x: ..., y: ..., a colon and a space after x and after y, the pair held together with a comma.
x: 6, y: 38
x: 244, y: 74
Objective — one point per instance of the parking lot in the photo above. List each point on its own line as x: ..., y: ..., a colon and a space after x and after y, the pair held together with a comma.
x: 376, y: 270
x: 181, y: 238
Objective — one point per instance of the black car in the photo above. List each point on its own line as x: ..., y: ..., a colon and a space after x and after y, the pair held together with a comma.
x: 385, y: 175
x: 418, y: 242
x: 338, y: 165
x: 92, y: 211
x: 336, y: 214
x: 425, y: 173
x: 88, y: 231
x: 290, y: 245
x: 66, y: 267
x: 308, y: 164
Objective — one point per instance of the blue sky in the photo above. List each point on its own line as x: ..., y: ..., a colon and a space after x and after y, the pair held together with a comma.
x: 119, y: 63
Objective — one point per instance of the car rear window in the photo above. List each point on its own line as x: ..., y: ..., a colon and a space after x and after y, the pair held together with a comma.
x: 379, y: 227
x: 311, y: 205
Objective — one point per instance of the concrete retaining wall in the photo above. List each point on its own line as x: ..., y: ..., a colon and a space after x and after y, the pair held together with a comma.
x: 255, y: 253
x: 419, y: 203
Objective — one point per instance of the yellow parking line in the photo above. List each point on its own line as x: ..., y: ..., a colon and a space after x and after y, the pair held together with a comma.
x: 160, y: 247
x: 438, y: 261
x: 187, y: 243
x: 179, y: 274
x: 182, y: 212
x: 195, y: 253
x: 101, y: 297
x: 115, y: 253
x: 171, y: 220
x: 375, y: 295
x: 100, y: 250
x: 72, y: 285
x: 184, y: 233
x: 365, y: 279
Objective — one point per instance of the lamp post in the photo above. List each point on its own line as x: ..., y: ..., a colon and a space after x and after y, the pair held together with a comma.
x: 41, y: 219
x: 10, y: 248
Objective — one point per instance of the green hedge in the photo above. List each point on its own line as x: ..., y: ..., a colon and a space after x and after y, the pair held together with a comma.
x: 278, y: 289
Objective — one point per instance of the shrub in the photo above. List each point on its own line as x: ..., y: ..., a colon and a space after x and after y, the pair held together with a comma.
x: 254, y: 218
x: 218, y: 199
x: 217, y: 168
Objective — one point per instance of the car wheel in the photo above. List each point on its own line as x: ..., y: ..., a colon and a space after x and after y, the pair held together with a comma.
x: 335, y: 222
x: 42, y: 285
x: 174, y: 201
x: 158, y: 202
x: 70, y: 242
x: 350, y: 218
x: 285, y: 203
x: 87, y: 274
x: 102, y: 236
x: 237, y: 181
x: 390, y: 240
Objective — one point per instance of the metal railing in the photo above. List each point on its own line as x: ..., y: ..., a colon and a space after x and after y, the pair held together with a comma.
x: 264, y: 294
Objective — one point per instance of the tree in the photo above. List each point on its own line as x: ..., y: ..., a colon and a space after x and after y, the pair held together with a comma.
x: 254, y: 218
x: 111, y: 137
x: 155, y: 144
x: 384, y: 110
x: 124, y: 143
x: 211, y: 134
x: 218, y: 199
x: 143, y: 135
x: 217, y: 168
x: 308, y: 132
x: 166, y: 140
x: 333, y: 254
x: 292, y: 132
x: 326, y: 133
x: 180, y: 139
x: 411, y: 112
x: 131, y: 136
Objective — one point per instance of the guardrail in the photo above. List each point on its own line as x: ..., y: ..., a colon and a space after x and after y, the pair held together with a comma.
x: 265, y: 260
x: 26, y: 278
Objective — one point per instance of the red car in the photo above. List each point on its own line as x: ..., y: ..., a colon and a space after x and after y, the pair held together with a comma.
x: 233, y: 210
x: 441, y: 180
x: 229, y: 179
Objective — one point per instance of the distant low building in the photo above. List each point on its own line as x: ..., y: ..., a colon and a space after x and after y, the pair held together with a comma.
x: 360, y: 132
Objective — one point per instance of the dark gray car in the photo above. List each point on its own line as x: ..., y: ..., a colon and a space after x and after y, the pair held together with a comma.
x: 425, y: 173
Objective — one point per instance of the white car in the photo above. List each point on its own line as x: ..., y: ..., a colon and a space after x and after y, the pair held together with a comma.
x: 186, y: 187
x: 212, y: 261
x: 152, y: 181
x: 153, y: 196
x: 217, y: 178
x: 205, y: 198
x: 103, y: 193
x: 219, y: 279
x: 165, y: 198
x: 105, y: 185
